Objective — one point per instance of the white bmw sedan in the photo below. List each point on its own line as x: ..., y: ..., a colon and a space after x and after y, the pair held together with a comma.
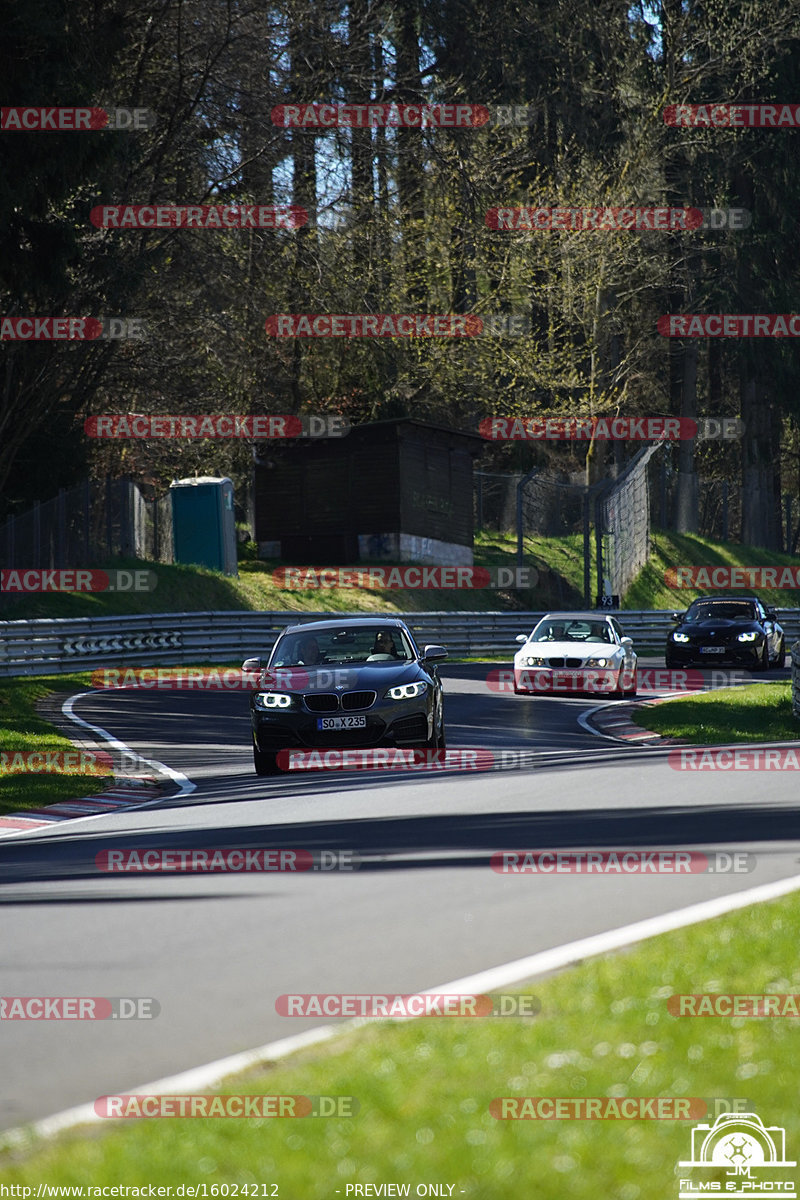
x: 576, y: 652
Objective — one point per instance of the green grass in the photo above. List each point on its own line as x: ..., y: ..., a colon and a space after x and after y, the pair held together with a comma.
x: 197, y: 589
x: 681, y: 550
x: 558, y: 561
x: 424, y: 1087
x: 759, y: 712
x: 21, y: 728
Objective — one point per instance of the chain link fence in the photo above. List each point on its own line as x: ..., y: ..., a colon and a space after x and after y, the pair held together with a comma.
x: 88, y: 524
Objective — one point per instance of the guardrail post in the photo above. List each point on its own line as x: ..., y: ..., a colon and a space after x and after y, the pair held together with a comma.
x: 796, y: 679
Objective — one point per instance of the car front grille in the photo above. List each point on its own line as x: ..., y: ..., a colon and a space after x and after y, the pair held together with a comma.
x: 351, y: 700
x: 322, y: 702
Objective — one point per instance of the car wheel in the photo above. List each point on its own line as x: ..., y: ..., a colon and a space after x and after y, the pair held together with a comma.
x: 762, y: 663
x: 780, y: 661
x: 441, y: 739
x: 265, y: 764
x: 619, y: 690
x: 669, y: 661
x: 631, y: 692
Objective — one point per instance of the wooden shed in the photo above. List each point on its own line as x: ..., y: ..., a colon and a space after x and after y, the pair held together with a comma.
x: 397, y: 491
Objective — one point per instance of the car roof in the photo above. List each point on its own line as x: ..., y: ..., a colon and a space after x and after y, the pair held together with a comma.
x: 600, y: 615
x: 342, y: 623
x: 722, y: 599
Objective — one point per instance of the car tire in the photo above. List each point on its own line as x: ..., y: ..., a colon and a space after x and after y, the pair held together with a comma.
x: 631, y: 692
x: 669, y: 661
x: 619, y: 692
x: 265, y: 764
x: 780, y: 661
x: 763, y: 663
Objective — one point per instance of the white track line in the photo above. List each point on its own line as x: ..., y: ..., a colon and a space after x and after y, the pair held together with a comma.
x: 182, y: 781
x: 211, y: 1074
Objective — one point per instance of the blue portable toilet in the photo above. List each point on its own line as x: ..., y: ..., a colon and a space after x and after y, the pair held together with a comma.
x: 203, y: 523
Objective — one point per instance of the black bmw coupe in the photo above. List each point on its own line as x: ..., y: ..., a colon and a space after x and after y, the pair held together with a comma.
x: 355, y: 682
x: 735, y: 629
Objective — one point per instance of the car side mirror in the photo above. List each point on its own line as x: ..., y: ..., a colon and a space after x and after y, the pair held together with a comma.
x: 434, y: 653
x: 626, y: 641
x: 251, y: 664
x: 771, y: 613
x: 521, y: 638
x: 677, y: 616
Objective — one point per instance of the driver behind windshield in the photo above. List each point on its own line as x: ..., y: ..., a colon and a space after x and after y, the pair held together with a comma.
x: 384, y: 644
x: 308, y: 653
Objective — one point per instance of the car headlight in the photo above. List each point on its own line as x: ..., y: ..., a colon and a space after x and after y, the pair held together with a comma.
x: 598, y: 662
x: 747, y: 637
x: 533, y: 662
x: 407, y: 691
x: 272, y: 700
x: 680, y: 637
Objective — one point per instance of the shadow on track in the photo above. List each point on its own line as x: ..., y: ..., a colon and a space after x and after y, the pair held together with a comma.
x: 400, y: 843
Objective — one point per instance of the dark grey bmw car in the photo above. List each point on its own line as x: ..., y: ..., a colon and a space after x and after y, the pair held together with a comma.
x: 735, y: 629
x: 355, y: 682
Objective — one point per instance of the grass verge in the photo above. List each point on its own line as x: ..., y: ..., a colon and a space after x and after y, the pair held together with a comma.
x: 558, y: 561
x: 759, y: 712
x: 424, y: 1087
x: 23, y: 729
x: 667, y: 550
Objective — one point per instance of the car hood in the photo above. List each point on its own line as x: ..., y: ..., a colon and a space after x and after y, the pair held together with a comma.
x: 351, y: 678
x: 567, y: 650
x: 718, y: 625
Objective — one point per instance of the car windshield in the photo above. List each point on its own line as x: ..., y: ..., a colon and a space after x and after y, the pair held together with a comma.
x: 549, y: 630
x: 349, y: 644
x: 720, y: 610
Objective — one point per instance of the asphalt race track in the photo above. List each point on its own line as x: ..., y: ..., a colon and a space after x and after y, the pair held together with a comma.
x: 424, y: 906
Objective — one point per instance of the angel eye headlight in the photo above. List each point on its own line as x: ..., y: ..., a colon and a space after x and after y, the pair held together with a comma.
x: 406, y: 691
x: 750, y: 636
x: 272, y: 700
x: 680, y: 637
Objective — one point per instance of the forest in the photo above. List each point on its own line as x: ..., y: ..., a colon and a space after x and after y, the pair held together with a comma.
x: 486, y: 162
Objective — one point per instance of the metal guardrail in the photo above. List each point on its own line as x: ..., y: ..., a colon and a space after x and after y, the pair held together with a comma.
x: 55, y: 647
x: 796, y: 679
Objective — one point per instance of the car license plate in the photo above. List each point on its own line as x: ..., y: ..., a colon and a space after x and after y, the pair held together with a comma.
x: 712, y: 649
x: 341, y: 723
